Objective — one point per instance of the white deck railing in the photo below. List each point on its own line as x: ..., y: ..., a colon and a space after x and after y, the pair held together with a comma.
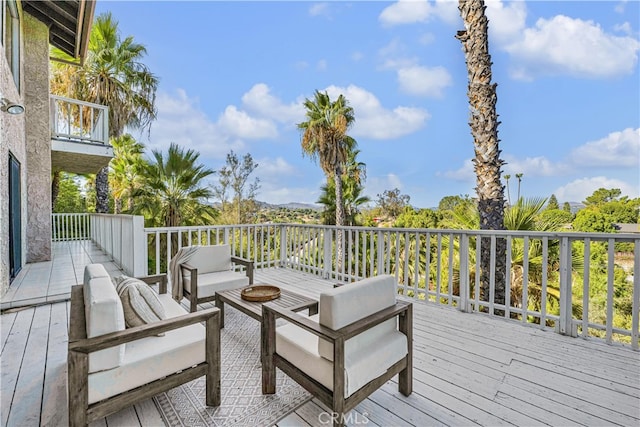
x: 79, y: 121
x: 70, y: 226
x: 552, y: 281
x: 580, y: 284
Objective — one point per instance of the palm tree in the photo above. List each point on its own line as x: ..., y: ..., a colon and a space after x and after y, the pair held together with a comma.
x: 507, y: 177
x: 325, y: 139
x: 519, y: 176
x: 353, y: 176
x: 113, y: 75
x: 484, y: 128
x: 174, y: 192
x: 126, y: 168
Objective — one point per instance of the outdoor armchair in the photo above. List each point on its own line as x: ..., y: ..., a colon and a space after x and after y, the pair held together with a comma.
x: 360, y: 339
x: 205, y: 270
x: 110, y: 367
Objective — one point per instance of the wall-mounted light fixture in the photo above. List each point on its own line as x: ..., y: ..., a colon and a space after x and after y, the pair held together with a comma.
x: 11, y: 107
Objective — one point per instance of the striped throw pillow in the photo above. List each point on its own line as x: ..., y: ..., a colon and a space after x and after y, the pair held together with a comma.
x: 140, y: 303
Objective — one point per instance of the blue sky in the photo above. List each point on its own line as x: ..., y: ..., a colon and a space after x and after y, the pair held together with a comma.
x: 233, y: 75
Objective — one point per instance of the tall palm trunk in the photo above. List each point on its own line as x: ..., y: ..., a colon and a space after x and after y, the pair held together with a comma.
x: 102, y: 190
x: 337, y: 178
x: 484, y: 128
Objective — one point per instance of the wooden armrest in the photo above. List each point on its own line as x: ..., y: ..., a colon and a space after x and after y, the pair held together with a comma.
x: 188, y: 267
x: 89, y: 345
x: 243, y: 261
x: 355, y: 328
x: 301, y: 321
x: 349, y: 331
x: 247, y: 263
x: 161, y: 279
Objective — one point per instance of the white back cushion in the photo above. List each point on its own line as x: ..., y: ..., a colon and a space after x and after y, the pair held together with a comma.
x: 209, y: 259
x: 92, y: 271
x: 104, y: 314
x: 342, y: 306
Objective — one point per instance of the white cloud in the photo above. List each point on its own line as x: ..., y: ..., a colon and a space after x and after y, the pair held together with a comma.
x: 180, y: 120
x: 564, y: 45
x: 625, y: 28
x: 322, y: 65
x: 238, y: 123
x: 424, y: 81
x: 464, y: 173
x: 319, y: 9
x: 379, y: 184
x: 534, y: 166
x: 357, y: 56
x: 268, y: 167
x: 620, y: 7
x: 412, y: 11
x: 618, y: 149
x: 376, y: 122
x: 506, y: 21
x: 260, y: 101
x: 579, y: 189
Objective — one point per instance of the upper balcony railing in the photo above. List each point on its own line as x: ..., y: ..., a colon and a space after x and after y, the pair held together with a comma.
x: 79, y: 121
x: 579, y: 284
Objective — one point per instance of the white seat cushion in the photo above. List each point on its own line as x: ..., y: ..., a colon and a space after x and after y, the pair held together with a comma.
x: 208, y: 259
x: 362, y: 365
x: 104, y: 314
x: 210, y: 283
x: 344, y: 305
x: 152, y: 358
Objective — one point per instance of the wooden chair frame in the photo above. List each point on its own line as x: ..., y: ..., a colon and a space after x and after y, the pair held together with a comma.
x: 81, y: 412
x: 335, y: 399
x: 192, y: 295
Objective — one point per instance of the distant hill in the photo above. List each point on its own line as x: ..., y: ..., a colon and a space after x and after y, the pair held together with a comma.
x: 291, y: 205
x: 575, y: 206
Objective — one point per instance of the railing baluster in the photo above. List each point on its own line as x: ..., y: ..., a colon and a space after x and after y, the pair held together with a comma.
x: 610, y: 290
x: 507, y: 281
x: 525, y: 279
x: 545, y: 276
x: 586, y: 272
x: 450, y: 272
x: 636, y: 295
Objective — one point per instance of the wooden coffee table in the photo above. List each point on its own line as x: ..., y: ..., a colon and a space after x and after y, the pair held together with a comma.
x: 289, y: 300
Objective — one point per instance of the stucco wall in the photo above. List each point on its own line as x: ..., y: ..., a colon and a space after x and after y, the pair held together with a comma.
x: 12, y: 140
x: 38, y: 139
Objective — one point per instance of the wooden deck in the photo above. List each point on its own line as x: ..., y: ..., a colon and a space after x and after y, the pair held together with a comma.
x: 469, y: 369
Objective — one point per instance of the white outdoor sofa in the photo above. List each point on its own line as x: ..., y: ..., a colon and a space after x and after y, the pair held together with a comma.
x: 110, y: 367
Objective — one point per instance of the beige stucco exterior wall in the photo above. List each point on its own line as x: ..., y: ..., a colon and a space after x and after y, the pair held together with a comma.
x: 12, y: 140
x: 38, y: 139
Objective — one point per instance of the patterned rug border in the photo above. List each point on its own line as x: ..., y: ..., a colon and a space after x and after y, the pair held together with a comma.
x: 243, y: 403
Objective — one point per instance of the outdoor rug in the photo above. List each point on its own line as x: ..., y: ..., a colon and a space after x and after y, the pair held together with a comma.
x: 243, y: 403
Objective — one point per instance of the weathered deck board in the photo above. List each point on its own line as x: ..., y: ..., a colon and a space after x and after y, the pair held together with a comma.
x: 30, y: 381
x: 11, y: 361
x: 55, y: 394
x: 469, y: 369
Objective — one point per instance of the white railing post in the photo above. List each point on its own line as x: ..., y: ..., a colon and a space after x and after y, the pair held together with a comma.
x: 464, y: 273
x: 283, y: 245
x: 139, y: 247
x: 327, y: 258
x: 565, y: 322
x: 380, y: 253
